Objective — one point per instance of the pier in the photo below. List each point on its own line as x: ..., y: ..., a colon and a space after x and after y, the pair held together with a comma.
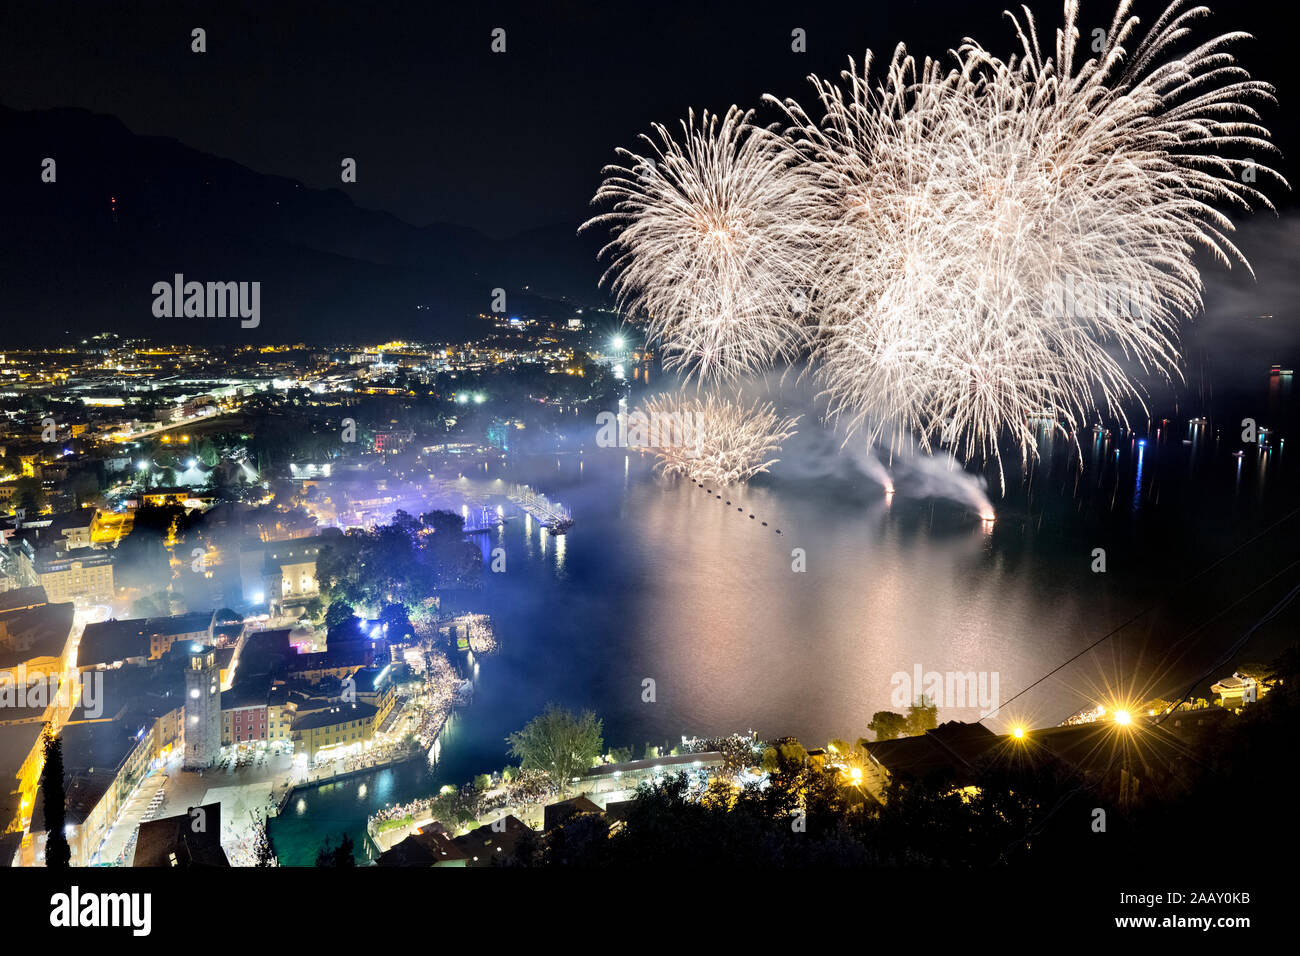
x: 552, y: 516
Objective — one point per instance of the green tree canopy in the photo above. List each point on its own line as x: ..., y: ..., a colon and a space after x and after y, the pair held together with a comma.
x: 404, y: 563
x: 560, y: 743
x: 337, y: 856
x: 922, y: 716
x: 29, y: 493
x: 339, y: 615
x: 887, y: 725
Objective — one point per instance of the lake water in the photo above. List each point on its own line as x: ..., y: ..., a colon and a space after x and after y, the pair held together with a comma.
x: 662, y: 581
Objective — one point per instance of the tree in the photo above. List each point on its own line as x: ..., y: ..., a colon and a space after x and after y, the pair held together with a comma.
x: 207, y: 453
x: 57, y: 852
x: 786, y: 758
x: 922, y: 716
x: 155, y: 605
x: 337, y: 856
x: 30, y: 494
x: 339, y: 615
x: 559, y: 743
x: 141, y: 560
x: 85, y: 487
x: 792, y: 753
x: 887, y: 725
x: 583, y: 840
x: 314, y: 607
x: 397, y: 623
x: 443, y: 807
x: 455, y: 561
x: 228, y: 616
x: 1158, y: 706
x: 1263, y: 673
x: 406, y: 562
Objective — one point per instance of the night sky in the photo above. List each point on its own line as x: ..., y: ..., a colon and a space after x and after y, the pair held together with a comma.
x: 444, y: 130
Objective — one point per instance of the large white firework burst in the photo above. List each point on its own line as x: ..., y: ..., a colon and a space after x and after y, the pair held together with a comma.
x: 1014, y: 237
x: 713, y: 240
x: 712, y: 439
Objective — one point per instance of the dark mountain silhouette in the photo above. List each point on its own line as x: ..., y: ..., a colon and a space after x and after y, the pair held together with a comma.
x: 81, y: 255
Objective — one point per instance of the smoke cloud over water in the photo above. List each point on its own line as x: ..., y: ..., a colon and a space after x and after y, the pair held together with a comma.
x: 867, y: 462
x: 816, y: 453
x: 926, y: 476
x: 819, y: 453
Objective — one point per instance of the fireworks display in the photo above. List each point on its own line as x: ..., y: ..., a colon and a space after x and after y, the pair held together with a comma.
x: 713, y: 439
x: 1006, y: 232
x: 1002, y: 240
x: 713, y: 241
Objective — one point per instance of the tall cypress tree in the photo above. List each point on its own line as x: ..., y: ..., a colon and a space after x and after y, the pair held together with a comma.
x: 57, y: 852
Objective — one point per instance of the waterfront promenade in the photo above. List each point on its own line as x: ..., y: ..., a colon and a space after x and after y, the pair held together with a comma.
x: 604, y: 784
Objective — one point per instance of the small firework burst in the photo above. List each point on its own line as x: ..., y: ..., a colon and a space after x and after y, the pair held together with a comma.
x: 713, y: 439
x: 714, y: 242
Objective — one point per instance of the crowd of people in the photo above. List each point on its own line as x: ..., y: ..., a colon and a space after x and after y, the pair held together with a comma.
x: 739, y: 751
x: 481, y: 639
x: 437, y: 698
x: 241, y: 850
x: 379, y: 755
x: 512, y: 789
x: 415, y: 809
